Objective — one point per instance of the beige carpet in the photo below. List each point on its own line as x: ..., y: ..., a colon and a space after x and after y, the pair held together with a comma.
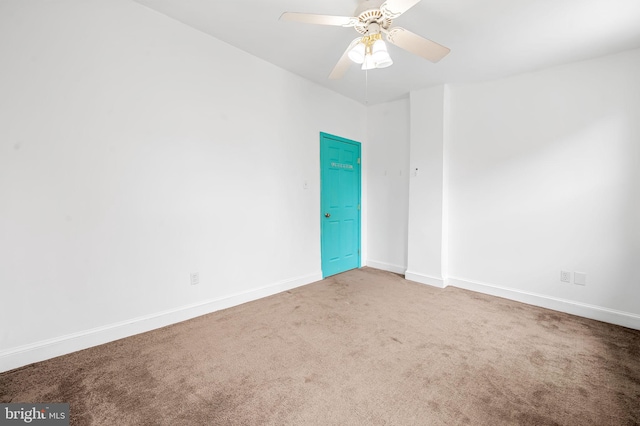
x: 362, y: 348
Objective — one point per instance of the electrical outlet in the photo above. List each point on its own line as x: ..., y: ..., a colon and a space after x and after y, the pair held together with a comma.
x: 195, y: 278
x: 580, y: 278
x: 565, y: 276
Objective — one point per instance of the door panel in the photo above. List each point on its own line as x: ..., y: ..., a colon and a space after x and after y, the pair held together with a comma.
x: 340, y: 204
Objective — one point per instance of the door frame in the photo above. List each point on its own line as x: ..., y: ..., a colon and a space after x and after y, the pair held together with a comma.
x: 327, y: 136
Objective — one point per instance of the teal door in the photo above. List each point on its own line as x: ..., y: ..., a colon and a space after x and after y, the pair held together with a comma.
x: 339, y: 204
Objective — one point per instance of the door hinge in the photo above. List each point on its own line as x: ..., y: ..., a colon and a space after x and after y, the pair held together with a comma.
x: 358, y: 206
x: 358, y: 160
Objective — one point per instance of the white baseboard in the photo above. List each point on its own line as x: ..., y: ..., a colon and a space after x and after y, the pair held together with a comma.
x: 45, y: 349
x: 425, y: 279
x: 396, y: 269
x: 625, y: 319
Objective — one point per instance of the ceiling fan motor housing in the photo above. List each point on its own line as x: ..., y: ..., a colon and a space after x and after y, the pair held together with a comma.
x: 369, y: 12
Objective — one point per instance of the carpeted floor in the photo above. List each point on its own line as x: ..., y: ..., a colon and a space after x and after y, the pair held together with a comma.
x: 361, y: 348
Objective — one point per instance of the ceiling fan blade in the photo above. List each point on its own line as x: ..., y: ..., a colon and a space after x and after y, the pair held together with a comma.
x: 417, y: 45
x: 308, y: 18
x: 394, y: 8
x: 343, y: 63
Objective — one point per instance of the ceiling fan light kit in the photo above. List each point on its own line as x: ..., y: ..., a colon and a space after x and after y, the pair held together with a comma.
x: 372, y: 18
x: 371, y: 52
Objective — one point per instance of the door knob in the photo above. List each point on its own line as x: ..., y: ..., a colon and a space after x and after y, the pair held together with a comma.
x: 327, y: 215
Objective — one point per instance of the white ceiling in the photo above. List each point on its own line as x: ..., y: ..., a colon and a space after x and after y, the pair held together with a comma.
x: 488, y: 39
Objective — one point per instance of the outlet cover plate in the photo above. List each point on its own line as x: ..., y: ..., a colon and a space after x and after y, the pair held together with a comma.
x: 565, y: 276
x: 580, y: 278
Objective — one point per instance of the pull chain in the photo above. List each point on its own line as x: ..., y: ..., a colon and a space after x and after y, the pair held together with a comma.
x: 366, y: 87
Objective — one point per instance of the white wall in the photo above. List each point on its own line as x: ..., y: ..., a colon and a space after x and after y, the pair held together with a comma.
x: 427, y: 235
x: 388, y: 180
x: 544, y: 173
x: 533, y: 174
x: 135, y: 150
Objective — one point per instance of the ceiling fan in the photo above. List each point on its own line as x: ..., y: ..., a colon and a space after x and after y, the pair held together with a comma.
x: 372, y: 18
